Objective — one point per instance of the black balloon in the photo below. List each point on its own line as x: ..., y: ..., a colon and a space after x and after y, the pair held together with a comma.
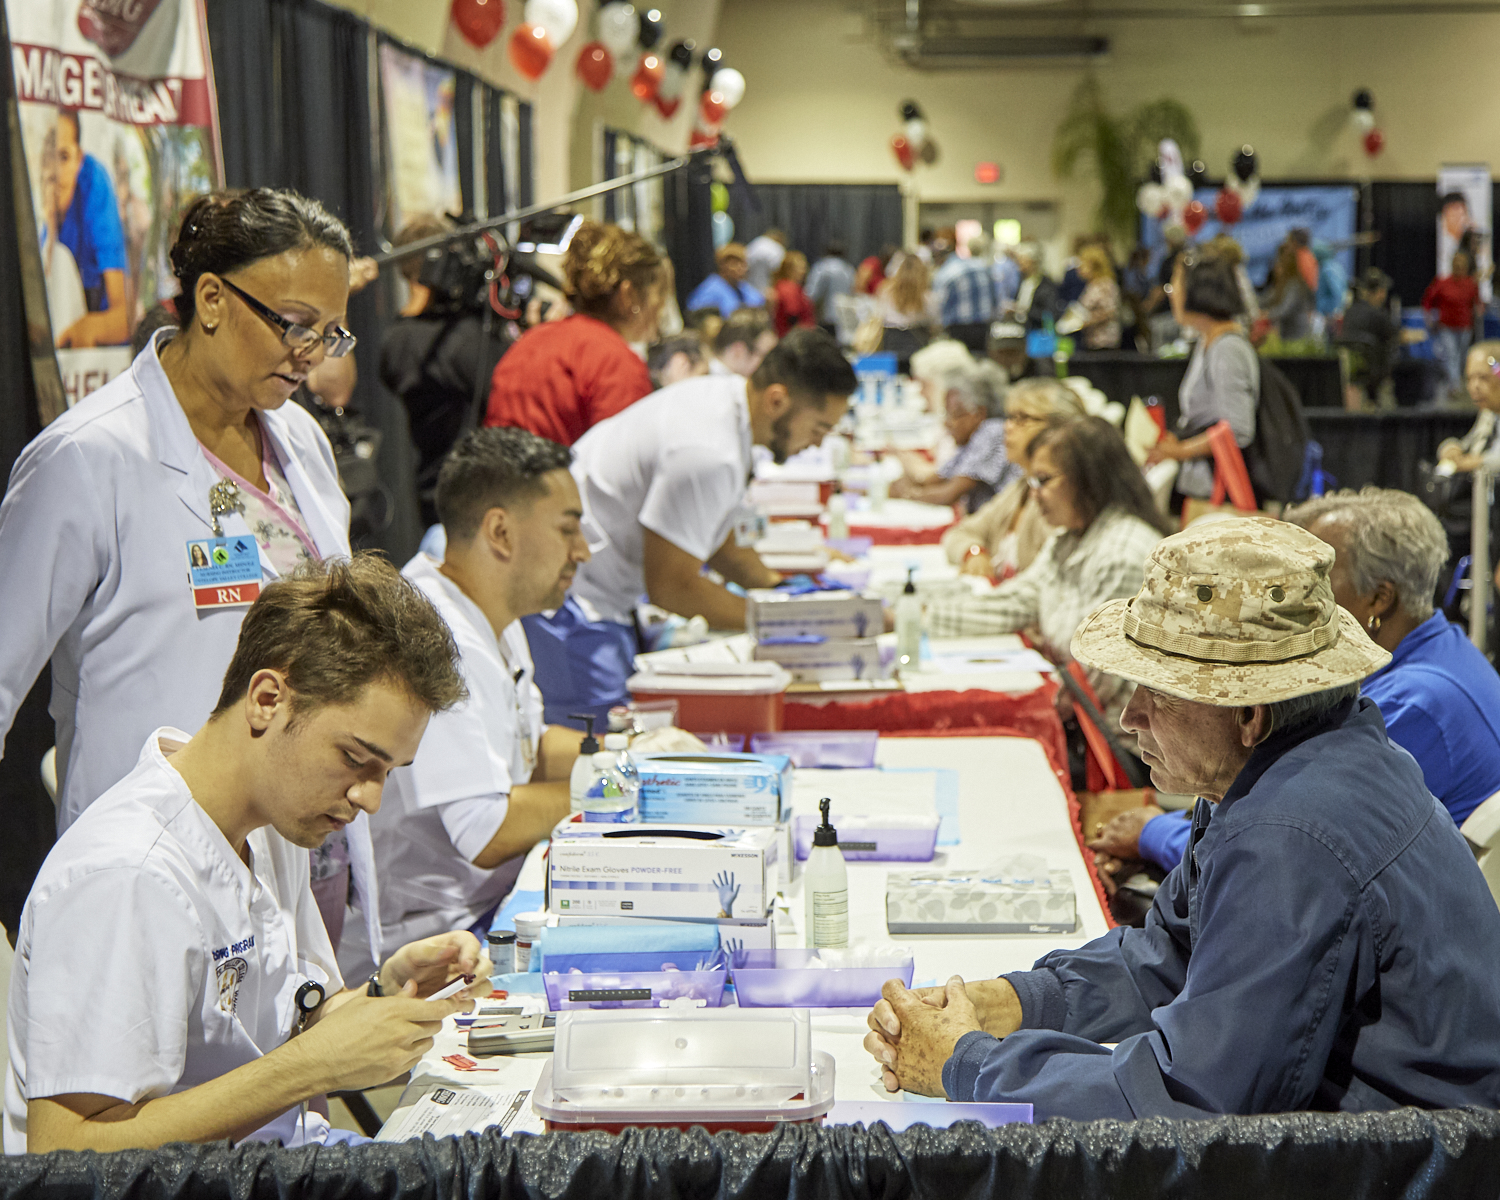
x: 1245, y: 164
x: 1155, y: 173
x: 910, y: 110
x: 681, y: 53
x: 1197, y: 173
x: 652, y: 29
x: 1363, y: 99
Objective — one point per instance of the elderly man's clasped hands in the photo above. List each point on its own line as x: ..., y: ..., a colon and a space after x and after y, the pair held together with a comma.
x: 913, y: 1030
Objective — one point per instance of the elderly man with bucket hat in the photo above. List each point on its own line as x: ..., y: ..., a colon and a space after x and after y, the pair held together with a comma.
x: 1327, y: 941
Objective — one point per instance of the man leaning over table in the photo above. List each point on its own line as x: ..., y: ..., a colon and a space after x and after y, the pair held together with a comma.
x: 173, y: 980
x: 1328, y: 941
x: 665, y: 480
x: 491, y: 778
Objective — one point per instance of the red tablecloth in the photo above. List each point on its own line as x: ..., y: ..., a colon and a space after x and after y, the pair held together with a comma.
x: 899, y: 536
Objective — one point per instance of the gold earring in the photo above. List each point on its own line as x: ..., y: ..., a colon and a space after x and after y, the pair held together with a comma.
x: 636, y: 310
x: 1373, y: 624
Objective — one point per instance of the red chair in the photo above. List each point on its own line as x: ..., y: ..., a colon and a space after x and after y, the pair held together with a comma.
x: 1104, y: 772
x: 1230, y: 476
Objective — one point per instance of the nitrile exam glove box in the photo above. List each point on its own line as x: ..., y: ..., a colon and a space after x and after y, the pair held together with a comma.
x: 772, y: 615
x: 715, y: 789
x: 699, y: 872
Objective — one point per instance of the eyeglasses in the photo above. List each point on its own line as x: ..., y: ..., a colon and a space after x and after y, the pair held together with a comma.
x: 1029, y: 418
x: 1037, y: 482
x: 299, y: 337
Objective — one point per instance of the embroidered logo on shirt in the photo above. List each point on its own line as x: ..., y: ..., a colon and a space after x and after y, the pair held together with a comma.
x: 231, y: 973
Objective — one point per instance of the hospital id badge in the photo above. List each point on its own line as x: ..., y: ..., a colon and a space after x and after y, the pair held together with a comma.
x: 750, y: 526
x: 224, y: 571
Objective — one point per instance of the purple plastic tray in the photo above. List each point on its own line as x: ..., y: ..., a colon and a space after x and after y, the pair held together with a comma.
x: 862, y: 842
x: 784, y: 979
x: 733, y: 742
x: 820, y: 748
x: 629, y: 980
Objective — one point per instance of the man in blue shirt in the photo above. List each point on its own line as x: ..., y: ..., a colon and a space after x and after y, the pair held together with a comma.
x: 726, y: 290
x: 88, y: 224
x: 967, y: 295
x: 831, y: 276
x: 1439, y: 696
x: 1327, y: 943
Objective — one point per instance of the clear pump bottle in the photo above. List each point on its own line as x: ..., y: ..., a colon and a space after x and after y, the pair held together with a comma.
x: 583, y: 766
x: 909, y: 625
x: 825, y: 887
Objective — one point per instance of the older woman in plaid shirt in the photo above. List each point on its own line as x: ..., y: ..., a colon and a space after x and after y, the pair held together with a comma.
x: 1089, y: 487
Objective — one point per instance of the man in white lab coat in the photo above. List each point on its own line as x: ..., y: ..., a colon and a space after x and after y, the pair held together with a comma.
x: 186, y: 888
x: 491, y: 779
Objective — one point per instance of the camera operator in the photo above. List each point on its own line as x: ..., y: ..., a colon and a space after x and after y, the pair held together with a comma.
x: 438, y: 357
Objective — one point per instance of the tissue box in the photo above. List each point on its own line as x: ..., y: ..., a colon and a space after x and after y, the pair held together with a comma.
x: 835, y: 658
x: 976, y: 902
x: 771, y: 614
x: 715, y: 789
x: 693, y: 871
x: 734, y: 935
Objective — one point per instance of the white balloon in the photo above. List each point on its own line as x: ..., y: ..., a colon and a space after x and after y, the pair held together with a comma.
x: 1364, y: 120
x: 619, y: 27
x: 1151, y: 199
x: 674, y: 77
x: 1250, y: 191
x: 915, y: 132
x: 558, y: 17
x: 1179, y: 191
x: 730, y: 84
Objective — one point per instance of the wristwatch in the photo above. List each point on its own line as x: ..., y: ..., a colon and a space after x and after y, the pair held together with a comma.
x: 373, y: 988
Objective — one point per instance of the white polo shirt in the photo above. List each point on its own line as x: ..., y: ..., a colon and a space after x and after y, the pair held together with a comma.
x: 677, y: 463
x: 152, y: 959
x: 441, y: 811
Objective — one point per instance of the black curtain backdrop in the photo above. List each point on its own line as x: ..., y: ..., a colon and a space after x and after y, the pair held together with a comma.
x: 864, y: 216
x: 26, y: 815
x: 687, y: 226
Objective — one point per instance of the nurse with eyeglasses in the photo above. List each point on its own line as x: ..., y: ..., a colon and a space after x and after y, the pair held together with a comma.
x: 139, y: 526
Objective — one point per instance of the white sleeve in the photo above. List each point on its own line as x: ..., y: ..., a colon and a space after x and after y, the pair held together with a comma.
x: 114, y: 981
x: 472, y: 824
x: 462, y: 757
x: 691, y: 499
x: 53, y: 552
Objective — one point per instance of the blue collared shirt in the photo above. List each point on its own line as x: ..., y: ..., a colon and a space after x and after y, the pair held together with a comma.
x: 718, y: 292
x: 1328, y: 943
x: 965, y: 289
x: 1441, y: 702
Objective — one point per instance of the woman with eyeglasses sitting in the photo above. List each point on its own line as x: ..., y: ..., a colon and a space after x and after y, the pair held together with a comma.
x: 1003, y: 536
x: 194, y: 447
x: 1089, y: 488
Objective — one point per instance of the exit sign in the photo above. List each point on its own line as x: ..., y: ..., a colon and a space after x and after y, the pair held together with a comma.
x: 987, y: 172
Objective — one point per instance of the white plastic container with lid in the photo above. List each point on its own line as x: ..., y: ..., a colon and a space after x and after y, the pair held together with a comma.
x: 721, y: 1068
x: 528, y: 928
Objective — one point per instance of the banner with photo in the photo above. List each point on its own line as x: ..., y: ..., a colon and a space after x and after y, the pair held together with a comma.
x: 116, y: 106
x: 1464, y: 219
x: 421, y: 137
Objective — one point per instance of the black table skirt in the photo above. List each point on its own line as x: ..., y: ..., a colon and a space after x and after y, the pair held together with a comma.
x: 1358, y: 448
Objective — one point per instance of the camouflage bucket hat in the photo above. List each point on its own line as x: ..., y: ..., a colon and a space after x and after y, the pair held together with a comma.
x: 1235, y: 612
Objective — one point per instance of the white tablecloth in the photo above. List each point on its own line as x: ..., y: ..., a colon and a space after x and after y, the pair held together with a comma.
x: 1009, y: 802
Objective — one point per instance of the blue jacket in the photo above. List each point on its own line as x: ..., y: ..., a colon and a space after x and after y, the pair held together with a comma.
x: 718, y: 292
x: 1441, y: 702
x: 1328, y: 943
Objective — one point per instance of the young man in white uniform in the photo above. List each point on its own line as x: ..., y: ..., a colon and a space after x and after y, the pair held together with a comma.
x: 218, y: 1008
x: 666, y: 478
x: 491, y: 780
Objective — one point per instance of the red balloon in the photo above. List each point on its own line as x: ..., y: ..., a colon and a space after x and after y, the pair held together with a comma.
x: 702, y: 139
x: 595, y: 66
x: 668, y: 108
x: 1228, y: 206
x: 1374, y: 142
x: 1193, y: 216
x: 479, y: 20
x: 530, y: 50
x: 713, y: 108
x: 905, y: 155
x: 646, y: 81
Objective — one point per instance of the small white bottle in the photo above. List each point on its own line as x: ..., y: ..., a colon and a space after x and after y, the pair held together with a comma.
x: 880, y: 486
x: 825, y: 887
x: 838, y: 515
x: 583, y: 766
x: 909, y: 625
